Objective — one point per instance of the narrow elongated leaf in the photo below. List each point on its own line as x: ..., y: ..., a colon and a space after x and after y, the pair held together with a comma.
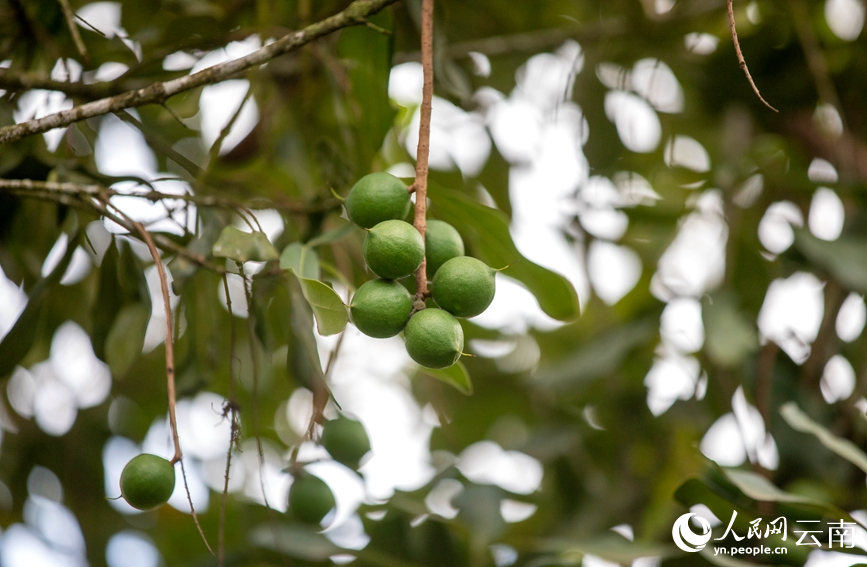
x: 799, y: 421
x: 300, y: 259
x: 455, y: 375
x: 843, y: 257
x: 125, y: 339
x: 303, y: 355
x: 244, y: 246
x: 303, y: 542
x: 367, y: 56
x: 487, y: 230
x: 17, y: 342
x: 110, y: 299
x: 759, y: 488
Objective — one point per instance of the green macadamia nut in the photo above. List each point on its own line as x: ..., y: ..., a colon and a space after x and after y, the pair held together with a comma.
x: 147, y: 481
x: 464, y: 286
x: 377, y: 197
x: 393, y: 249
x: 434, y: 338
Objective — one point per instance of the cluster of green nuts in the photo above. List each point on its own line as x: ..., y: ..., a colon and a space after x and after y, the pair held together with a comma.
x: 461, y: 286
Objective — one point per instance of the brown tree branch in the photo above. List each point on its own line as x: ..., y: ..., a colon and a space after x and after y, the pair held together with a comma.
x: 29, y: 187
x: 741, y: 61
x: 12, y: 80
x: 421, y: 164
x: 354, y: 14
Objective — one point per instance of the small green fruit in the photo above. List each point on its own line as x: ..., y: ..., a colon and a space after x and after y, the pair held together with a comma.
x: 346, y: 440
x: 442, y: 242
x: 147, y: 481
x: 310, y: 499
x: 434, y: 338
x: 380, y: 308
x: 377, y: 197
x: 464, y: 286
x: 393, y: 249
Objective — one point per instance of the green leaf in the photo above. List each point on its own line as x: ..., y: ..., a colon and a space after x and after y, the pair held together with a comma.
x: 843, y: 257
x: 110, y: 301
x: 730, y: 337
x: 300, y: 259
x: 17, y: 342
x: 759, y: 488
x: 598, y: 358
x: 455, y: 375
x: 367, y: 55
x: 800, y: 421
x: 303, y: 542
x: 302, y: 357
x: 487, y: 230
x: 125, y: 339
x: 330, y: 312
x: 332, y: 235
x: 244, y: 246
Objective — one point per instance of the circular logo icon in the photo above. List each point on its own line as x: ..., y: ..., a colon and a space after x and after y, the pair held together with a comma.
x: 685, y: 538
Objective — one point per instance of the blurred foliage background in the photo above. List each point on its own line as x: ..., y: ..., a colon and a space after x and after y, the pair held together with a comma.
x: 612, y: 149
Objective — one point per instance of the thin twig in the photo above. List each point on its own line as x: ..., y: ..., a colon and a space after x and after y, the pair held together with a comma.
x: 193, y: 509
x: 741, y: 61
x: 232, y: 414
x: 73, y: 30
x: 232, y: 409
x: 170, y: 351
x: 160, y: 91
x: 227, y: 129
x: 421, y: 165
x: 91, y: 26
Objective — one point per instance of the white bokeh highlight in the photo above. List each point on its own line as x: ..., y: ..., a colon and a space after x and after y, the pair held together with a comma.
x: 792, y: 312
